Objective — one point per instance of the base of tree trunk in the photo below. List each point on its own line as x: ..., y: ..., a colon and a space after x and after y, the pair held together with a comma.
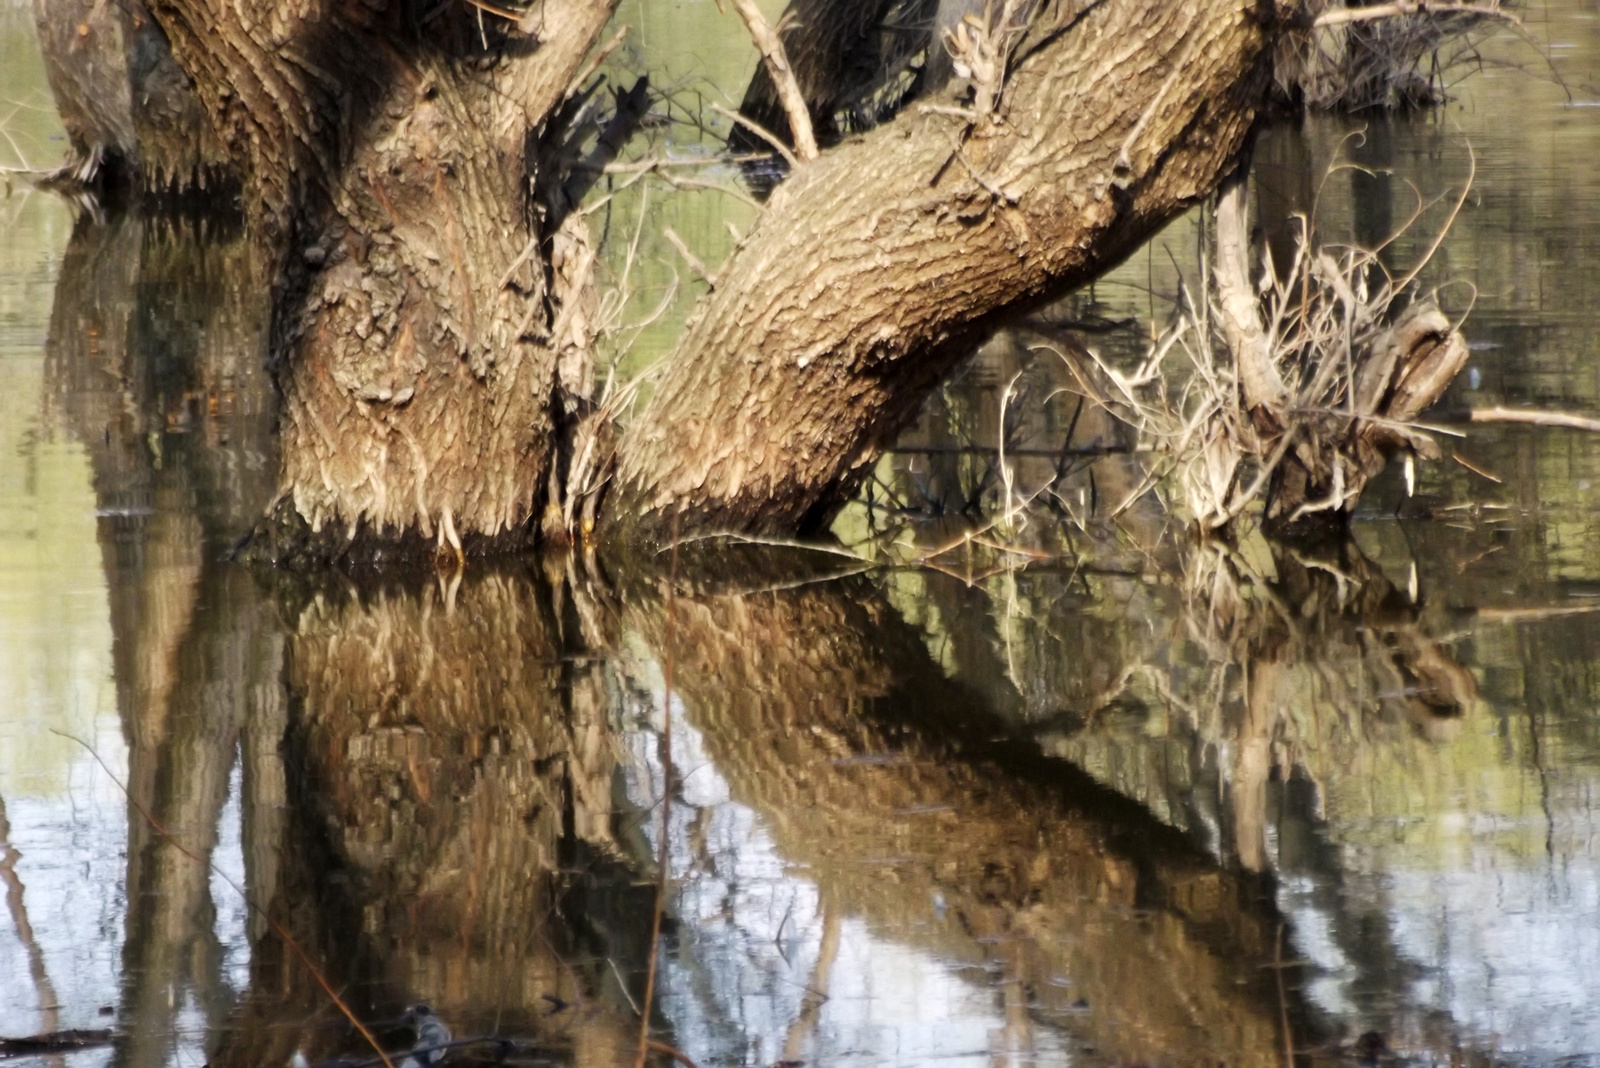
x: 283, y: 539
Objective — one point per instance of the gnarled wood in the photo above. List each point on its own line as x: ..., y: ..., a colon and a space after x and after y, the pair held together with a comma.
x: 386, y: 153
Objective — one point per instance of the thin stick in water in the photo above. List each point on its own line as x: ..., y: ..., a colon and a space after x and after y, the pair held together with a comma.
x: 646, y: 1043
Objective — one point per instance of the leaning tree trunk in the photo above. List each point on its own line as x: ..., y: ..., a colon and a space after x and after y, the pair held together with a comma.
x: 876, y: 266
x: 386, y: 150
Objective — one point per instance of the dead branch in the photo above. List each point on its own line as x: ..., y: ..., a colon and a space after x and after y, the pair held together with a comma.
x: 1569, y: 420
x: 772, y: 53
x: 760, y: 131
x: 1237, y: 304
x: 694, y: 262
x: 1341, y: 16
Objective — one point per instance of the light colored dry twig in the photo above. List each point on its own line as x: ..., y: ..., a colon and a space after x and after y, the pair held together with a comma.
x: 760, y: 131
x: 1309, y: 366
x: 1570, y: 420
x: 1340, y: 16
x: 694, y: 262
x: 1238, y: 307
x: 777, y: 61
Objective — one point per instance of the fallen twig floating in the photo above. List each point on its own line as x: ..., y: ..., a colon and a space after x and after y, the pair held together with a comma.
x: 54, y: 1042
x: 1570, y: 420
x: 794, y: 102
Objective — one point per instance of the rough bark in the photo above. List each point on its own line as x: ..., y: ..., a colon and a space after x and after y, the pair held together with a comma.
x: 876, y: 266
x: 386, y: 151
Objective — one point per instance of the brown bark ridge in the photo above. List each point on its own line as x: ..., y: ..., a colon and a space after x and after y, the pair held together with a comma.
x: 386, y: 149
x: 876, y: 265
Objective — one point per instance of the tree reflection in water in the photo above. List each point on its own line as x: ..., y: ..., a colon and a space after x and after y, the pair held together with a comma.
x: 1085, y: 821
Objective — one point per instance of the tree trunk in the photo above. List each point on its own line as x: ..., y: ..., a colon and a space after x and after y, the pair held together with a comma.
x: 876, y: 266
x: 421, y: 288
x: 130, y: 114
x: 386, y: 149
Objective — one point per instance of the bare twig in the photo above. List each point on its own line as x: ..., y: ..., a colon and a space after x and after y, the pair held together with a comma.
x: 1570, y: 420
x: 794, y: 102
x: 694, y: 262
x: 1339, y: 16
x: 760, y: 131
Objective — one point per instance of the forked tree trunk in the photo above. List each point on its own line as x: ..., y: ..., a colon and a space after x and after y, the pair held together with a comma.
x: 876, y: 266
x: 386, y: 151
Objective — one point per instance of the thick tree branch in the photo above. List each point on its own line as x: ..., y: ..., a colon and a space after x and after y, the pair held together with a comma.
x: 876, y: 267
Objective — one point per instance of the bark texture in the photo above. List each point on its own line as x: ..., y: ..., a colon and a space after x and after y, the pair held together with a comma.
x: 387, y: 148
x: 877, y: 265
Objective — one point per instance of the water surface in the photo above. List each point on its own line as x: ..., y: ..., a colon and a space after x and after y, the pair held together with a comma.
x: 1129, y: 802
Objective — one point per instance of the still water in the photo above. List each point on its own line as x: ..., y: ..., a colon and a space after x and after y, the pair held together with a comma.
x: 1122, y: 802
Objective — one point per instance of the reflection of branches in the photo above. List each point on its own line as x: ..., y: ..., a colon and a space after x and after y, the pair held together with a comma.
x: 48, y: 1002
x: 663, y: 860
x: 267, y: 917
